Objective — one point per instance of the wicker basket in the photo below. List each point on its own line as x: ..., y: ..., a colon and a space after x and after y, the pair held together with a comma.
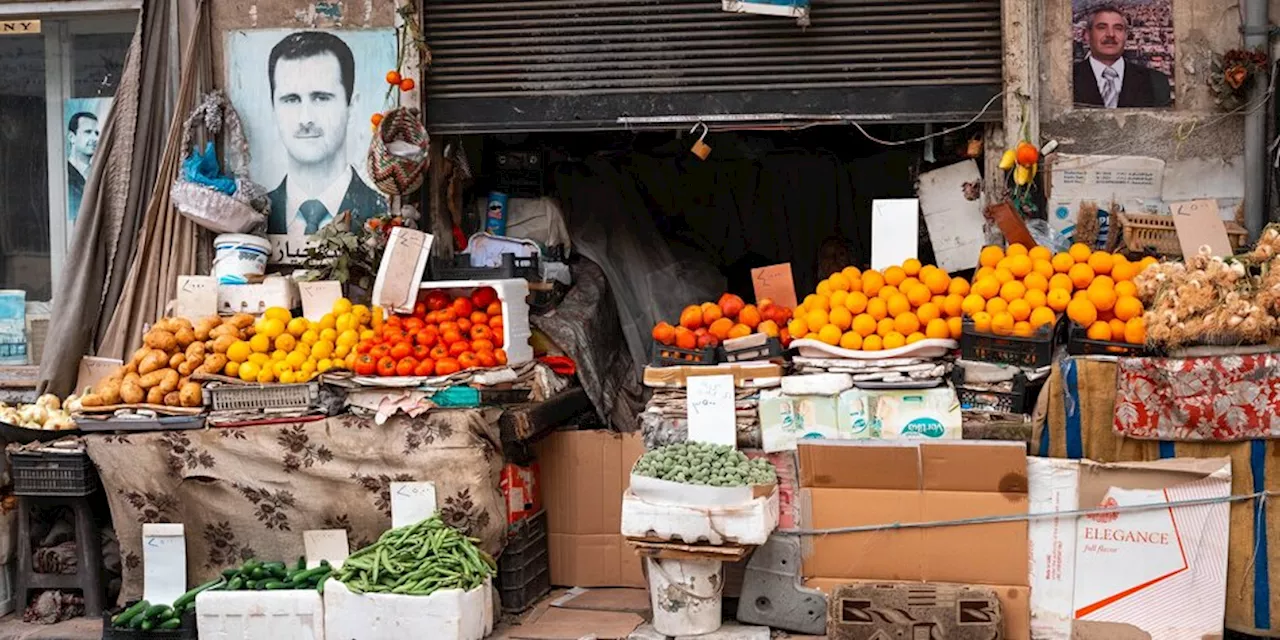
x: 1143, y: 233
x: 212, y: 209
x: 397, y: 175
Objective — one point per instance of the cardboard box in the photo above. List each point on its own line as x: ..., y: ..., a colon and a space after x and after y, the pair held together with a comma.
x: 1014, y: 604
x: 785, y: 420
x: 583, y: 477
x: 1158, y: 573
x: 905, y: 482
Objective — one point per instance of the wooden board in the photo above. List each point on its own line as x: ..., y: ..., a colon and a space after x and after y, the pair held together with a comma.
x: 678, y: 377
x: 158, y: 408
x: 646, y: 548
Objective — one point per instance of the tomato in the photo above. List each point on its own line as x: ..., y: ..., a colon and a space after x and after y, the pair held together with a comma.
x: 483, y: 297
x: 406, y: 366
x: 379, y: 352
x: 365, y: 365
x: 482, y: 345
x: 481, y: 332
x: 495, y: 322
x: 439, y: 352
x: 364, y: 346
x: 494, y: 309
x: 458, y: 348
x: 420, y: 310
x: 426, y: 367
x: 446, y: 366
x: 421, y: 351
x: 462, y: 307
x: 432, y: 317
x: 414, y: 325
x: 426, y: 338
x: 497, y: 338
x: 467, y: 360
x: 486, y: 359
x: 437, y: 300
x: 450, y: 336
x: 464, y: 325
x: 447, y: 315
x: 401, y: 350
x: 501, y: 356
x: 394, y: 322
x: 386, y: 366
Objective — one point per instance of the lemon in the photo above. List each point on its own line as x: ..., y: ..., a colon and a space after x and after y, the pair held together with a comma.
x: 295, y: 359
x: 288, y: 377
x: 280, y: 367
x: 324, y: 365
x: 272, y: 327
x: 277, y: 313
x: 259, y: 358
x: 339, y: 364
x: 346, y: 322
x: 304, y: 377
x: 259, y: 343
x: 232, y: 369
x: 297, y: 327
x: 328, y: 321
x: 286, y: 342
x: 361, y: 313
x: 328, y: 335
x: 265, y: 376
x: 321, y: 350
x: 304, y: 349
x: 279, y: 355
x: 341, y: 350
x: 348, y: 338
x: 341, y: 306
x: 368, y: 334
x: 249, y: 371
x: 239, y: 351
x: 307, y: 368
x: 309, y: 336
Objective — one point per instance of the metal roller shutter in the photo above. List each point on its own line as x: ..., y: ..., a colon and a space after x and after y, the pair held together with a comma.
x: 532, y: 65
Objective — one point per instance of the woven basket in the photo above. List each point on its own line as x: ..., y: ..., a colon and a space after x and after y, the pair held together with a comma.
x: 397, y: 175
x: 1143, y: 233
x: 212, y: 209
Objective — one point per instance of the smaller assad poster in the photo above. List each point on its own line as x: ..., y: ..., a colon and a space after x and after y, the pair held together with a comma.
x: 305, y: 98
x: 83, y: 120
x: 1122, y: 54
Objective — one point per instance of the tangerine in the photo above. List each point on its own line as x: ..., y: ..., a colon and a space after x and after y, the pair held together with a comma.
x: 1062, y: 262
x: 855, y: 302
x: 1039, y: 252
x: 894, y: 340
x: 937, y: 328
x: 888, y: 291
x: 1135, y: 331
x: 1102, y: 297
x: 1080, y: 252
x: 797, y: 328
x: 898, y: 304
x: 919, y: 295
x: 912, y: 266
x: 838, y: 282
x: 1036, y: 282
x: 990, y: 255
x: 863, y: 324
x: 1002, y: 323
x: 841, y: 318
x: 1036, y: 298
x: 1016, y: 249
x: 1126, y: 288
x: 1117, y: 329
x: 982, y: 322
x: 1013, y: 290
x: 1042, y: 316
x: 1020, y: 309
x: 937, y: 281
x: 953, y: 305
x: 877, y: 308
x: 1127, y: 308
x: 830, y: 334
x: 987, y: 287
x: 1061, y: 281
x: 872, y: 281
x: 958, y: 286
x: 1082, y: 312
x: 1044, y: 268
x: 1023, y: 329
x: 1101, y: 262
x: 973, y: 304
x: 885, y: 327
x: 1099, y: 331
x: 955, y: 326
x: 816, y: 319
x: 872, y: 343
x: 895, y: 275
x: 915, y: 337
x: 997, y: 305
x: 1020, y: 265
x: 1058, y: 299
x: 1003, y: 275
x: 1081, y: 276
x: 1123, y: 270
x: 851, y: 341
x: 927, y: 312
x: 906, y: 323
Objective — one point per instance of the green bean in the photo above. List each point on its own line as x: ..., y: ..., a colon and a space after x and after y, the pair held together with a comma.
x: 418, y: 559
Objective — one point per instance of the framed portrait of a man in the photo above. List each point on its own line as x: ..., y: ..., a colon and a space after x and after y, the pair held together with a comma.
x: 84, y: 119
x: 1123, y: 54
x: 305, y: 97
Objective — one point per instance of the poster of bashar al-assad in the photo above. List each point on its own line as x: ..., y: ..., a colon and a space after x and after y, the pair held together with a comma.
x: 83, y: 120
x: 1122, y: 53
x: 305, y: 98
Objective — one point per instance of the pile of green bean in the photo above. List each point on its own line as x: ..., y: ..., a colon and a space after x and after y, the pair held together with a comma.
x: 714, y: 465
x: 418, y: 560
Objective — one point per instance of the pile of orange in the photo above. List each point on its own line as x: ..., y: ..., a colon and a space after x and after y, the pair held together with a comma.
x: 1020, y: 291
x: 873, y: 311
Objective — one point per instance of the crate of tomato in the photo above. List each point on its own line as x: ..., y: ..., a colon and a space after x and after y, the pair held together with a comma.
x: 455, y: 326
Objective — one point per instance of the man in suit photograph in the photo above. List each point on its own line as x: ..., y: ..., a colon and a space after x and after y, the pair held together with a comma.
x: 1105, y: 78
x: 312, y: 78
x: 83, y: 132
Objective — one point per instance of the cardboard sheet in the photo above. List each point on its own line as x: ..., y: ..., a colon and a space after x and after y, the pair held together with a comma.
x: 955, y: 222
x: 571, y: 624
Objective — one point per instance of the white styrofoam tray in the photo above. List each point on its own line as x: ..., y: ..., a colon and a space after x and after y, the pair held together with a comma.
x: 749, y: 523
x: 444, y: 615
x: 513, y: 294
x: 272, y: 615
x: 930, y: 348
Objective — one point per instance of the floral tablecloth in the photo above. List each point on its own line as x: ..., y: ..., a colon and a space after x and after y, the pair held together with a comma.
x: 1223, y: 399
x: 245, y: 492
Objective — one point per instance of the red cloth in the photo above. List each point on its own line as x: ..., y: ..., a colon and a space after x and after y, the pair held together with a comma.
x: 1223, y: 398
x: 562, y: 365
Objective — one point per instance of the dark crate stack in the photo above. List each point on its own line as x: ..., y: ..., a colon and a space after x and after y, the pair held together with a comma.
x: 524, y: 569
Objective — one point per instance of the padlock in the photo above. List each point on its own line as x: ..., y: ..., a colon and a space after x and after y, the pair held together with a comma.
x: 700, y: 147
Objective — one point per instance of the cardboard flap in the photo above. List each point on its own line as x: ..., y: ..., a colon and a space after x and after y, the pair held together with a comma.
x: 832, y: 464
x: 974, y: 466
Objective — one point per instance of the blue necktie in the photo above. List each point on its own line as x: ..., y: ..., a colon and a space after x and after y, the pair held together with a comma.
x: 314, y: 213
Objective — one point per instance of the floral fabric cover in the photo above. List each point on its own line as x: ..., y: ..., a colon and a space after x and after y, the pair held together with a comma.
x: 246, y: 492
x: 1222, y: 398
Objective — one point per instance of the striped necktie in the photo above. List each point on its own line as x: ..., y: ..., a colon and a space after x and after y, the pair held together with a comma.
x: 1110, y: 92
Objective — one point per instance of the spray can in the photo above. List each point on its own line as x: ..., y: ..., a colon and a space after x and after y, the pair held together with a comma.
x: 495, y: 219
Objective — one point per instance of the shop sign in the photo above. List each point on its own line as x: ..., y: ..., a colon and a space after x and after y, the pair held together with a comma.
x: 19, y: 27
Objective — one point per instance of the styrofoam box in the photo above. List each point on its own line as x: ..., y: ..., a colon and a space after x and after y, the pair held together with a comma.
x: 444, y: 615
x: 749, y: 523
x: 514, y: 296
x: 271, y: 615
x: 255, y: 299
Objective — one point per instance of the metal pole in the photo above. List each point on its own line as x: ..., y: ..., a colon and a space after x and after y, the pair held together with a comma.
x: 1255, y: 29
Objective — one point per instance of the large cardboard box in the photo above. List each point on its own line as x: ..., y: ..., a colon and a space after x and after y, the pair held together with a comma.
x: 1014, y: 607
x: 1156, y: 573
x: 584, y: 474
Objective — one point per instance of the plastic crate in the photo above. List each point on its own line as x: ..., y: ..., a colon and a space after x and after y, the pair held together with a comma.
x: 1155, y: 234
x: 1021, y: 399
x: 1033, y: 351
x: 513, y: 294
x: 52, y: 474
x: 185, y: 632
x: 518, y: 598
x: 249, y: 397
x: 770, y: 350
x: 512, y: 266
x: 669, y: 356
x: 524, y: 569
x: 1080, y: 344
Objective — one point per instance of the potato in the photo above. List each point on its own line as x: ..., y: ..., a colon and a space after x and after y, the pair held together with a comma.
x: 241, y: 320
x: 195, y: 350
x: 155, y: 360
x: 155, y: 396
x: 162, y: 340
x: 185, y: 368
x: 190, y: 395
x: 172, y: 399
x: 91, y: 400
x: 170, y: 381
x: 180, y: 323
x: 131, y: 392
x: 214, y: 363
x: 110, y: 392
x: 225, y: 330
x: 223, y: 343
x: 205, y: 325
x: 131, y: 377
x: 132, y: 367
x: 154, y: 378
x: 185, y: 336
x: 140, y: 354
x: 177, y: 359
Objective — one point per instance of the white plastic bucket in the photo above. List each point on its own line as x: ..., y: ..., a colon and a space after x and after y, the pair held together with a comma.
x: 239, y: 255
x: 685, y: 595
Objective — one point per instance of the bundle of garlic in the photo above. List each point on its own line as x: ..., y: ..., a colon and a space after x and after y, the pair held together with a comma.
x: 48, y: 414
x: 1206, y: 300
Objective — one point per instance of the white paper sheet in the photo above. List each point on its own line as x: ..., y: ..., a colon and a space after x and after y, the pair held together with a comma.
x: 895, y: 231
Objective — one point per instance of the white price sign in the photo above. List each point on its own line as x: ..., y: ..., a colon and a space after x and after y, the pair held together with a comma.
x: 712, y: 417
x: 412, y: 502
x: 164, y: 562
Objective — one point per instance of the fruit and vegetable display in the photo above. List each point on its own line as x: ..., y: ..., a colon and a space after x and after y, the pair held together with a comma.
x: 144, y: 616
x: 714, y: 465
x: 873, y: 311
x: 1021, y: 291
x: 47, y: 414
x: 255, y: 575
x: 708, y: 324
x: 444, y: 335
x: 281, y: 348
x: 418, y: 560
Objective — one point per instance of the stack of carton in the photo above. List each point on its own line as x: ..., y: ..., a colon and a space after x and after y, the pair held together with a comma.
x: 875, y: 483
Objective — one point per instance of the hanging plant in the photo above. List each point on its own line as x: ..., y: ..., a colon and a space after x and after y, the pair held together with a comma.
x: 1233, y: 75
x: 350, y: 257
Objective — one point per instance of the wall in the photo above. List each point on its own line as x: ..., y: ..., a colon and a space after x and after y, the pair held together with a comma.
x: 1203, y: 148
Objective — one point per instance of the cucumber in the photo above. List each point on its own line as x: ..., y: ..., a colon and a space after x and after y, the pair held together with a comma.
x: 236, y: 584
x: 190, y: 596
x: 274, y: 569
x: 147, y: 625
x: 157, y: 611
x: 171, y: 623
x: 122, y: 619
x: 230, y: 573
x: 302, y: 563
x: 274, y: 585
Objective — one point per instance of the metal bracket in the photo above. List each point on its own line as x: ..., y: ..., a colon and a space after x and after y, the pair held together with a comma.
x: 1261, y: 30
x: 771, y: 591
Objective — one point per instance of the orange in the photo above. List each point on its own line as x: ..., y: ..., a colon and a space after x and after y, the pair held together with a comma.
x: 888, y: 291
x: 1040, y: 252
x: 824, y: 288
x: 838, y: 282
x: 855, y: 302
x: 1058, y: 299
x: 1062, y: 262
x: 990, y: 256
x: 997, y: 305
x: 1036, y: 298
x: 982, y: 322
x: 1123, y: 270
x: 1012, y: 290
x: 830, y: 335
x: 877, y: 308
x: 885, y: 327
x: 837, y: 300
x: 1082, y: 312
x: 863, y: 325
x: 1081, y: 276
x: 958, y: 286
x: 1117, y: 329
x: 872, y: 343
x: 910, y: 282
x: 816, y: 319
x: 1103, y: 281
x: 1102, y: 297
x: 1044, y: 268
x: 898, y: 305
x: 1127, y: 307
x: 840, y: 317
x: 797, y: 328
x: 1003, y: 276
x: 1023, y: 329
x: 1016, y: 249
x: 973, y: 304
x: 1126, y: 288
x: 911, y: 266
x: 953, y: 305
x: 1002, y: 324
x: 906, y: 323
x: 895, y: 275
x: 1135, y: 331
x: 818, y: 301
x: 1020, y: 266
x: 937, y: 281
x: 1146, y: 262
x: 938, y: 301
x: 852, y: 273
x: 984, y: 272
x: 1101, y: 262
x: 1080, y: 252
x: 987, y: 287
x: 894, y: 340
x: 927, y: 312
x: 851, y: 341
x: 871, y: 282
x: 955, y: 326
x: 1020, y: 309
x: 1099, y: 331
x: 1061, y: 281
x: 1041, y: 317
x: 1036, y: 282
x: 915, y: 337
x: 918, y: 295
x: 937, y: 328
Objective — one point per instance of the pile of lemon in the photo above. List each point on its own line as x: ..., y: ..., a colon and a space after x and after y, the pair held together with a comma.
x: 874, y: 311
x: 286, y: 349
x: 1021, y: 291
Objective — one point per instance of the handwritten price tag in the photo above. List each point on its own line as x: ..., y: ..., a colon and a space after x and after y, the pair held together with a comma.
x: 93, y: 369
x: 326, y: 544
x: 318, y: 297
x: 197, y: 297
x: 712, y: 417
x: 1199, y: 223
x: 164, y: 562
x: 412, y: 502
x: 400, y: 272
x: 775, y: 283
